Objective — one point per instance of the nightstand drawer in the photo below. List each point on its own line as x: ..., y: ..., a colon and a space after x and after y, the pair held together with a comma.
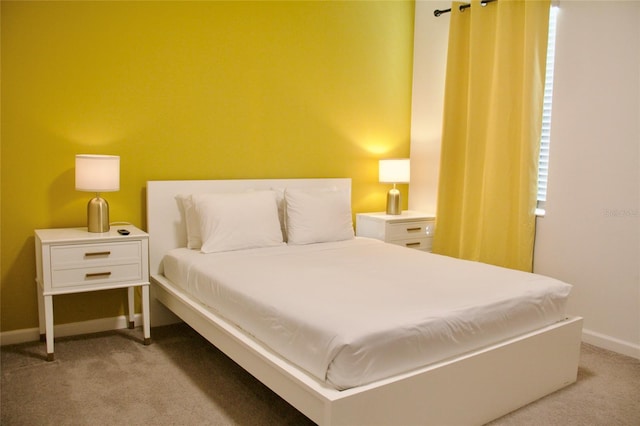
x: 415, y: 229
x: 423, y: 243
x: 72, y: 277
x: 90, y: 254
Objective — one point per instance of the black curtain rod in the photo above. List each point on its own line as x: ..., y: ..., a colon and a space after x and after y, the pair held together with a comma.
x: 462, y: 7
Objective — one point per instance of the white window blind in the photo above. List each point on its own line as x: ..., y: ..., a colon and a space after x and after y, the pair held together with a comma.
x: 543, y: 161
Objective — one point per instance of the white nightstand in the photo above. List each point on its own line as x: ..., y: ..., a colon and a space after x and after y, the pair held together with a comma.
x: 73, y: 260
x: 410, y: 229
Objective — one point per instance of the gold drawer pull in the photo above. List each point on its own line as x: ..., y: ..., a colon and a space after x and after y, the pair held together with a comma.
x: 412, y: 244
x: 98, y: 275
x: 414, y: 229
x: 98, y: 253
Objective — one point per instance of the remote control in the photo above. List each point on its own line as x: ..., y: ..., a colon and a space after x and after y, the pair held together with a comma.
x: 123, y: 232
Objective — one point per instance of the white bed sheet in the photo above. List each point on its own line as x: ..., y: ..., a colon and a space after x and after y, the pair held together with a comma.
x: 357, y: 311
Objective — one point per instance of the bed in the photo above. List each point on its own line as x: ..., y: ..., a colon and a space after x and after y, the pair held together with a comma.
x: 490, y: 370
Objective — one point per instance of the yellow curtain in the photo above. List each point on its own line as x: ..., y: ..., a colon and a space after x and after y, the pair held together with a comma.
x: 491, y: 132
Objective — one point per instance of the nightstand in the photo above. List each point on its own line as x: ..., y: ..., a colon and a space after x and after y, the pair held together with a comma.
x: 410, y: 229
x: 73, y: 260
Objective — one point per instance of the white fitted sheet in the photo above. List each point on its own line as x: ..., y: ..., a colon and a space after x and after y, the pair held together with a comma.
x: 357, y: 311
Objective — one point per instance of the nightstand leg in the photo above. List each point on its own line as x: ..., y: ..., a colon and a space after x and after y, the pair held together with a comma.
x: 146, y: 323
x: 48, y: 315
x: 41, y: 319
x: 131, y: 299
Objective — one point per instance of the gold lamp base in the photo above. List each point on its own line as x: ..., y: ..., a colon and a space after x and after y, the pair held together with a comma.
x: 393, y: 201
x: 98, y: 215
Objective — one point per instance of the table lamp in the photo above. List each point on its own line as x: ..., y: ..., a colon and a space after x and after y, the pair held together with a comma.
x: 97, y: 173
x: 394, y: 171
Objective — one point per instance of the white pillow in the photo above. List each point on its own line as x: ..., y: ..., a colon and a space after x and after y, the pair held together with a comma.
x: 318, y: 216
x: 281, y: 211
x: 194, y: 240
x: 235, y: 221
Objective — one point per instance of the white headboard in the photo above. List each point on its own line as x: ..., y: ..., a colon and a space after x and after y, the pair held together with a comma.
x: 165, y: 222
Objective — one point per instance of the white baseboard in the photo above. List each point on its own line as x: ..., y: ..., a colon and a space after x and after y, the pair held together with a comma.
x: 70, y: 329
x: 611, y: 343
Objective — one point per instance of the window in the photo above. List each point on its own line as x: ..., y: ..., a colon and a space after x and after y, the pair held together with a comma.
x: 543, y: 161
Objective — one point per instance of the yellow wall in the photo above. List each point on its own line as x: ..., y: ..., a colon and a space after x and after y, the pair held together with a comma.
x: 188, y: 90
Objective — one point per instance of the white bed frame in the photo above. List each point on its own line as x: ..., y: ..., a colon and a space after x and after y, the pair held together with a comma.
x: 474, y: 388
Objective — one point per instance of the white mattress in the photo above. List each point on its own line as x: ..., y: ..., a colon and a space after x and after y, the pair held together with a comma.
x: 357, y: 311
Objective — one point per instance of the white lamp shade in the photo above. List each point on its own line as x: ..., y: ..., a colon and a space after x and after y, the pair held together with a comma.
x: 97, y: 173
x: 394, y: 171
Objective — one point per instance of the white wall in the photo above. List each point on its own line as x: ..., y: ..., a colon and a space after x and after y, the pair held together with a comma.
x: 590, y: 236
x: 429, y: 65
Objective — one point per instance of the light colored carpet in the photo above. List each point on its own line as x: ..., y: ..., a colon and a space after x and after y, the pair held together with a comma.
x: 180, y: 379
